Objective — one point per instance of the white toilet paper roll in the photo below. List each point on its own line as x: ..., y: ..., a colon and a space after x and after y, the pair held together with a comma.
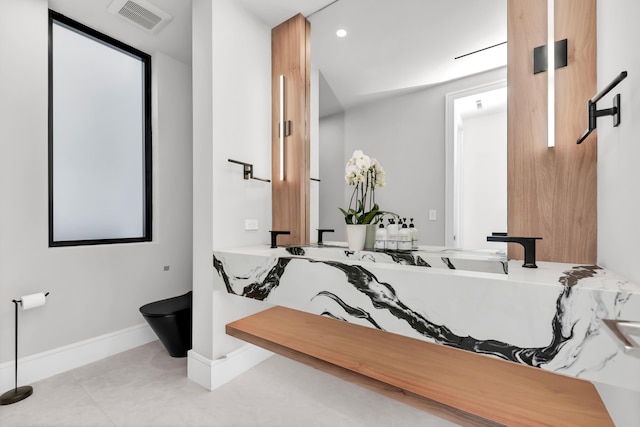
x: 33, y: 300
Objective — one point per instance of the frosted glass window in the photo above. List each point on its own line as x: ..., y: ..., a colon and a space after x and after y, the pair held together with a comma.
x: 99, y: 138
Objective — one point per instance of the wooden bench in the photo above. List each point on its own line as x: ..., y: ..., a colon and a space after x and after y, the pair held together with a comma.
x: 461, y: 386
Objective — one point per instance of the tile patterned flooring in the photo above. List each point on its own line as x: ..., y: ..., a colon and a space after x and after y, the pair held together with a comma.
x: 145, y: 387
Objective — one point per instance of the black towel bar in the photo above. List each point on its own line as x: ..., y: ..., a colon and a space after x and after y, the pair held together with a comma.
x: 248, y: 170
x: 594, y: 113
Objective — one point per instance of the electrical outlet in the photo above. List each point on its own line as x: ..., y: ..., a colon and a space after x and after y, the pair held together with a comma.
x: 251, y: 224
x: 432, y: 215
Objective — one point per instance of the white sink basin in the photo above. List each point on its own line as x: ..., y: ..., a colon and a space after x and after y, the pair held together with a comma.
x: 435, y: 257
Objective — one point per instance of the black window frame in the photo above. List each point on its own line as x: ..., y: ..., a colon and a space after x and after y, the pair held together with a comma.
x: 147, y: 139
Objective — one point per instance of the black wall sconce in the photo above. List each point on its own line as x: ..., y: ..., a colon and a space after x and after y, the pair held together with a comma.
x: 594, y: 113
x: 248, y: 171
x: 540, y: 56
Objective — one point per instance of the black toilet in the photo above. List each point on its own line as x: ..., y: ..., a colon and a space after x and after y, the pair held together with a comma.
x: 170, y: 319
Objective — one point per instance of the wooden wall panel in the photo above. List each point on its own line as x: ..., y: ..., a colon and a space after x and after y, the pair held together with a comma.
x: 552, y: 191
x: 291, y: 57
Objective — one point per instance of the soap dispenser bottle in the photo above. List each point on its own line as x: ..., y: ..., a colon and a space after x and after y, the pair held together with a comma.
x: 381, y: 238
x: 404, y: 237
x: 392, y: 235
x: 414, y: 235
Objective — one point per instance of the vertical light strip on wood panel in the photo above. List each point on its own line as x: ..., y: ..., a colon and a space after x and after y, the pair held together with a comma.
x: 281, y: 132
x: 551, y: 67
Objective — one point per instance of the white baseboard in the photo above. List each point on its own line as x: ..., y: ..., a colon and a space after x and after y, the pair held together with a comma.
x: 211, y: 374
x: 52, y: 362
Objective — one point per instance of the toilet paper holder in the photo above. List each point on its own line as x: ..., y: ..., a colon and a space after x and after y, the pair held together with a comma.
x: 18, y: 393
x: 20, y: 300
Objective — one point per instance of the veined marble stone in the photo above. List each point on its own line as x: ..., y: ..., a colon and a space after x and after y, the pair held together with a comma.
x: 547, y: 318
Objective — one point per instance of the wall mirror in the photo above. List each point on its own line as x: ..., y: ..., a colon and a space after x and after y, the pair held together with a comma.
x: 382, y: 88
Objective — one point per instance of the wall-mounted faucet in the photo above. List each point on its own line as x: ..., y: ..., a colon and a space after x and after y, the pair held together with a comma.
x: 274, y: 236
x: 529, y: 244
x: 321, y: 231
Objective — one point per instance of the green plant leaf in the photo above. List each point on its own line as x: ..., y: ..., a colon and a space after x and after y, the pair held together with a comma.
x: 348, y: 216
x: 369, y: 216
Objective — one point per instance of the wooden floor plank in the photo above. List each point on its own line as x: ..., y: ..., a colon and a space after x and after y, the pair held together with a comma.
x: 468, y: 388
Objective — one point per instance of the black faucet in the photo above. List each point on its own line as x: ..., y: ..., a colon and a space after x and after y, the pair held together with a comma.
x: 321, y: 231
x: 529, y: 244
x: 274, y: 235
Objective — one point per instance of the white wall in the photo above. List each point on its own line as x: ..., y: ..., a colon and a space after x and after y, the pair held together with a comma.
x: 94, y: 289
x: 619, y: 148
x: 332, y: 163
x: 202, y: 64
x: 406, y: 134
x: 232, y: 120
x: 618, y: 172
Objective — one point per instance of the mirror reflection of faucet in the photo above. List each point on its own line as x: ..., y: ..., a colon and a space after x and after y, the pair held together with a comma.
x: 321, y: 231
x: 529, y: 244
x: 274, y: 236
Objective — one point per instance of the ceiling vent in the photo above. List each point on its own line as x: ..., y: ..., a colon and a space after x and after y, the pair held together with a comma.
x: 141, y: 13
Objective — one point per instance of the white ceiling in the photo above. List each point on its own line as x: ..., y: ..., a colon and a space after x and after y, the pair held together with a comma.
x: 391, y: 46
x: 273, y: 12
x: 174, y: 39
x: 401, y: 45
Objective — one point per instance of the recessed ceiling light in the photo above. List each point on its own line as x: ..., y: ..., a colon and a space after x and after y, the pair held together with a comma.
x: 341, y: 33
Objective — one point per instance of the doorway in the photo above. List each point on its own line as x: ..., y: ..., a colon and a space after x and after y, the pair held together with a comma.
x: 476, y: 166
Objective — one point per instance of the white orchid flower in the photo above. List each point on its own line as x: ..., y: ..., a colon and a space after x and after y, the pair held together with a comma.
x: 365, y: 174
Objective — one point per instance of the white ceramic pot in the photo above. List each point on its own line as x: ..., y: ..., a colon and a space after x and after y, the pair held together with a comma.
x: 356, y: 236
x: 370, y: 241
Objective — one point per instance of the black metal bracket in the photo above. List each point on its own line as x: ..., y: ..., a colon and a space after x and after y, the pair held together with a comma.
x: 594, y: 113
x: 540, y: 56
x: 248, y: 171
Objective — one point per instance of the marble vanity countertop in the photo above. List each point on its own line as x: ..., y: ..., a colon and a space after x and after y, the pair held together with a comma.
x: 550, y: 317
x: 548, y: 273
x: 591, y: 277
